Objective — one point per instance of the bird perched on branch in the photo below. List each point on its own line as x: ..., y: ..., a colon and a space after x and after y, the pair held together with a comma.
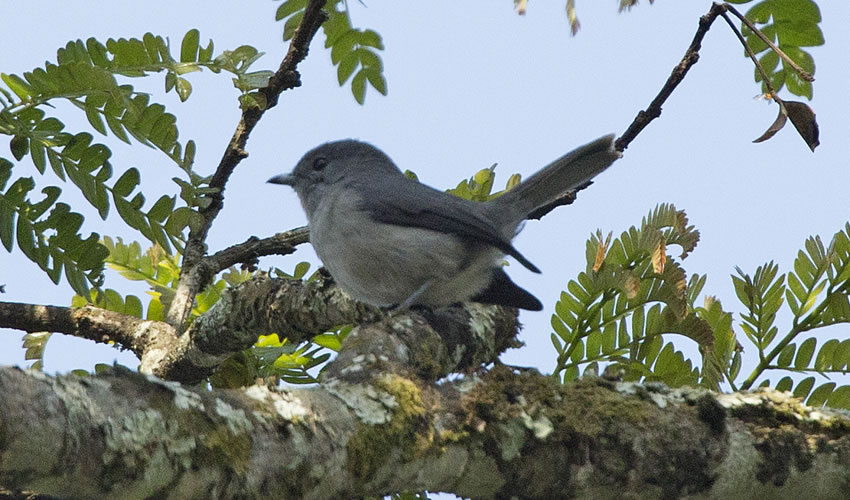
x: 389, y: 240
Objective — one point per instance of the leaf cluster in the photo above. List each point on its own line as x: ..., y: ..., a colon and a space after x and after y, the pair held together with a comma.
x: 633, y: 295
x: 50, y: 239
x: 791, y: 25
x: 86, y: 75
x: 479, y: 187
x: 817, y: 293
x: 276, y: 359
x: 353, y: 50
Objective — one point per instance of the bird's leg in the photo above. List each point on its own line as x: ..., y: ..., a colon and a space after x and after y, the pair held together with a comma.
x: 413, y: 297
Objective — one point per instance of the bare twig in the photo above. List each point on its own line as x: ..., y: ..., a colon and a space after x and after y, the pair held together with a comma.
x: 567, y: 198
x: 644, y: 117
x: 286, y: 77
x: 279, y: 244
x: 750, y: 53
x: 690, y: 58
x: 205, y: 269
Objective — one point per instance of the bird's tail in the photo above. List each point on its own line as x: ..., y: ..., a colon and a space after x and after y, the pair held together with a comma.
x: 567, y: 172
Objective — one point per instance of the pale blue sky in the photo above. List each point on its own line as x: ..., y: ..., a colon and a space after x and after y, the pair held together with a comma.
x: 472, y: 84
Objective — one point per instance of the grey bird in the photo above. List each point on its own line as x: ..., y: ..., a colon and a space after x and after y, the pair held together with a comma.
x: 389, y: 240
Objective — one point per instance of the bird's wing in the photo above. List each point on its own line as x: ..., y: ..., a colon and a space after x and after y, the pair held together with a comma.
x: 405, y: 202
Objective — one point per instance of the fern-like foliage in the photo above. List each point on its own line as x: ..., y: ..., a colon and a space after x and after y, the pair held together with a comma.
x: 154, y: 266
x: 50, y: 239
x: 353, y: 50
x: 791, y: 25
x: 86, y: 75
x: 817, y: 293
x: 631, y: 295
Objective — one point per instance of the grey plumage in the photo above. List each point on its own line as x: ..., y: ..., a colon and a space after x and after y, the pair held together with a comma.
x: 389, y: 240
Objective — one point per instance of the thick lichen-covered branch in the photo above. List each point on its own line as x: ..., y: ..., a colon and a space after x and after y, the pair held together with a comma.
x: 431, y: 343
x: 498, y: 435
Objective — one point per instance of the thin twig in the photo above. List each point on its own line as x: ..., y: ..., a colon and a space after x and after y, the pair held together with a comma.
x: 279, y: 244
x: 805, y: 75
x: 567, y: 198
x: 285, y: 77
x: 247, y: 252
x: 690, y: 58
x: 752, y: 55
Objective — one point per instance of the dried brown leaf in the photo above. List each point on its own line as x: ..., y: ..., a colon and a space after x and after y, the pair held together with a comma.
x: 520, y: 6
x: 777, y: 124
x: 601, y: 250
x: 803, y: 118
x: 631, y: 286
x: 659, y: 256
x: 575, y: 25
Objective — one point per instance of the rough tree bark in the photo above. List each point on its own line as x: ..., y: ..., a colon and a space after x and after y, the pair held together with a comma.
x: 374, y: 426
x: 384, y: 418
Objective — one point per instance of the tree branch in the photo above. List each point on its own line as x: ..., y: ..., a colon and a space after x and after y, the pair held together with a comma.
x: 253, y: 248
x: 565, y: 199
x: 644, y: 117
x: 750, y: 53
x: 202, y: 273
x: 690, y: 58
x: 502, y: 435
x: 429, y: 343
x: 286, y: 77
x: 88, y: 322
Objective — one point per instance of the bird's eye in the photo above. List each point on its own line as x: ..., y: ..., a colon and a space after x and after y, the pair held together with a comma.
x: 320, y: 163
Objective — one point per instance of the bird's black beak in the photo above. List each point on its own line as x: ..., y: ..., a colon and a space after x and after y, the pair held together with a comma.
x: 287, y: 179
